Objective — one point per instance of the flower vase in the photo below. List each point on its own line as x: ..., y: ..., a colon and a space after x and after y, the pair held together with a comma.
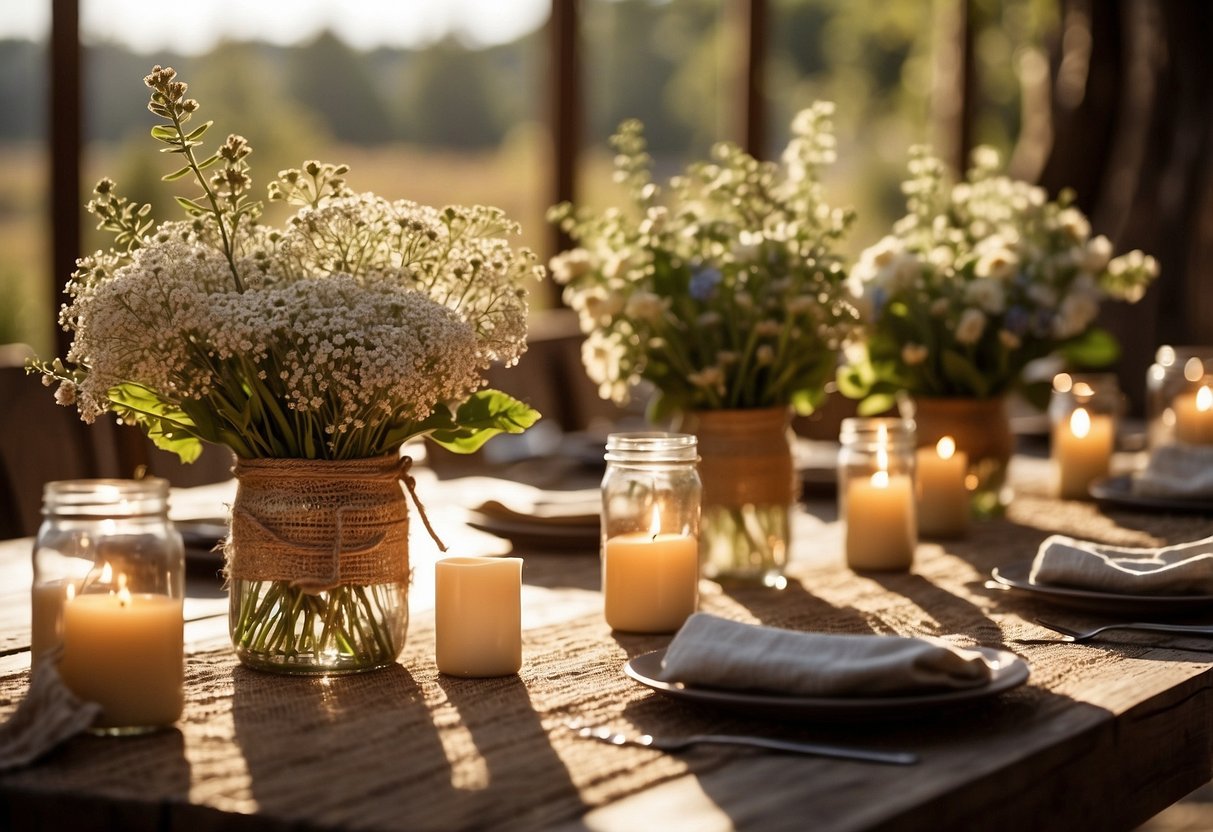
x: 981, y: 429
x: 318, y: 564
x: 749, y: 487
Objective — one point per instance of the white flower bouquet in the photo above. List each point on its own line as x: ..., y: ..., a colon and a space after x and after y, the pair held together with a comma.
x: 976, y: 281
x: 358, y: 325
x: 725, y: 292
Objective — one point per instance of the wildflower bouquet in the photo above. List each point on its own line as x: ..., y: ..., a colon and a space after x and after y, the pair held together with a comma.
x: 728, y: 294
x: 976, y: 281
x: 359, y: 324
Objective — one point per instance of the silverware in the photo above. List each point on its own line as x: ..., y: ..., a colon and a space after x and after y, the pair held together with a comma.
x: 1071, y: 635
x: 603, y: 734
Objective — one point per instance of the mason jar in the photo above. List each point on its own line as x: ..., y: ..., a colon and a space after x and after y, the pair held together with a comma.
x: 650, y: 531
x: 1084, y: 410
x: 107, y: 596
x: 876, y: 493
x: 1176, y: 408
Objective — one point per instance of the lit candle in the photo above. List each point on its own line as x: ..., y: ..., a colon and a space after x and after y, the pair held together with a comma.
x: 881, y: 533
x: 125, y: 651
x: 943, y: 500
x: 478, y: 616
x: 1082, y: 449
x: 650, y: 580
x: 46, y: 610
x: 1194, y: 417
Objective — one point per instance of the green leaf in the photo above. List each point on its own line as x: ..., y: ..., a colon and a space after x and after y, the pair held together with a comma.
x: 169, y: 427
x: 963, y: 373
x: 165, y: 133
x: 208, y: 161
x: 177, y: 174
x: 806, y: 401
x: 198, y: 131
x: 191, y: 207
x: 484, y: 415
x: 876, y: 404
x: 1094, y: 348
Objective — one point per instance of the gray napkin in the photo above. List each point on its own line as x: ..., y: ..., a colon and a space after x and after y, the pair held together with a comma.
x: 715, y: 652
x: 1177, y: 471
x: 1183, y: 569
x: 49, y: 714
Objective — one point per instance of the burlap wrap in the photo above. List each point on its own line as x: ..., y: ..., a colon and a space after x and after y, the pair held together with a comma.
x: 319, y: 524
x: 745, y: 457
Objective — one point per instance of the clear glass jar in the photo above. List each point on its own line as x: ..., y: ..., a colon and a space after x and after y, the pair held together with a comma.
x: 1176, y: 410
x: 650, y: 531
x: 109, y: 584
x: 1084, y: 410
x: 876, y: 493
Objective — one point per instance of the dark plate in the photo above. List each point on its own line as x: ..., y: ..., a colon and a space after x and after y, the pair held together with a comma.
x: 1014, y: 577
x: 1117, y: 492
x: 540, y: 535
x: 1007, y: 671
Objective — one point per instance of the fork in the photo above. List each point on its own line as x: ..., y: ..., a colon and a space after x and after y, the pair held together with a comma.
x: 1078, y: 636
x: 603, y: 734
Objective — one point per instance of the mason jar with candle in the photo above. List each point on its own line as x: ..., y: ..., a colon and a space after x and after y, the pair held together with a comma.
x: 109, y: 583
x: 1084, y: 409
x: 650, y: 531
x: 1179, y: 397
x: 876, y: 493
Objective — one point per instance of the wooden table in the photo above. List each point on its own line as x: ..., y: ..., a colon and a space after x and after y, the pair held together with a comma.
x: 1103, y: 735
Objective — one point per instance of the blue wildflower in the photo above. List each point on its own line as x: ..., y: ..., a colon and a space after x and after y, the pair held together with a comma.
x: 704, y: 282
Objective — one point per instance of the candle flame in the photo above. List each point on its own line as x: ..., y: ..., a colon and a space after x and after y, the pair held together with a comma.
x: 945, y: 447
x: 1080, y: 422
x: 69, y: 592
x: 655, y: 523
x: 107, y: 573
x: 880, y: 479
x: 124, y: 596
x: 1204, y: 399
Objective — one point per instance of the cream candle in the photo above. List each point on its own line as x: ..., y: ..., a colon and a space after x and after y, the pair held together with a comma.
x: 650, y: 580
x: 125, y: 651
x: 46, y: 610
x: 943, y: 499
x: 1194, y: 416
x: 1082, y: 451
x: 478, y: 616
x: 880, y: 528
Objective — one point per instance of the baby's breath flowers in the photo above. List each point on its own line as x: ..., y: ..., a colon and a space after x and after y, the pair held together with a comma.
x: 977, y: 280
x: 360, y: 324
x: 724, y: 293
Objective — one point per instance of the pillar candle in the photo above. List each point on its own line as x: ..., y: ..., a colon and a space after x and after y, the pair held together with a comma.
x: 478, y: 616
x: 650, y: 582
x: 1082, y: 451
x: 943, y: 499
x: 125, y: 651
x: 46, y: 609
x: 1194, y: 417
x: 880, y: 527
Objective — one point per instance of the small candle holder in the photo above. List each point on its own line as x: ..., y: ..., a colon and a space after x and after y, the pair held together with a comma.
x: 651, y: 497
x: 1083, y: 411
x: 941, y: 486
x: 1179, y: 397
x: 876, y: 493
x: 109, y: 583
x: 478, y: 616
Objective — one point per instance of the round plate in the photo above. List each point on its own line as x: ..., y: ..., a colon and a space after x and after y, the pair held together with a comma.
x: 1118, y: 492
x: 541, y: 535
x: 1015, y: 577
x: 1007, y: 671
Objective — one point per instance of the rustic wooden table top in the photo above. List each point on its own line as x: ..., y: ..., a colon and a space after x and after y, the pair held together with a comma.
x: 1103, y: 735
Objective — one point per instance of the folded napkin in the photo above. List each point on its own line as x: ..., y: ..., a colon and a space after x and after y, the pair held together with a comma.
x: 715, y: 652
x: 1177, y: 471
x: 48, y: 715
x: 1183, y: 569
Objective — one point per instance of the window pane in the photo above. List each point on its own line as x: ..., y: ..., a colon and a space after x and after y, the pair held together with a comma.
x: 25, y: 313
